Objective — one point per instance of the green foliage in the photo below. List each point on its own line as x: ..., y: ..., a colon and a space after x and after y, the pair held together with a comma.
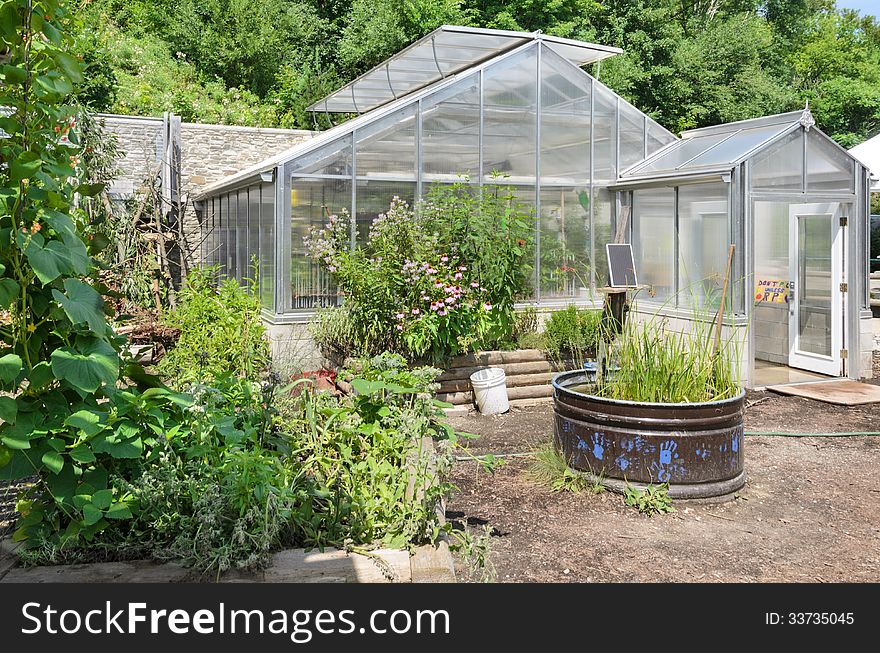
x: 654, y: 363
x: 220, y: 331
x: 654, y: 499
x: 573, y: 334
x: 551, y: 469
x: 687, y: 64
x: 428, y: 283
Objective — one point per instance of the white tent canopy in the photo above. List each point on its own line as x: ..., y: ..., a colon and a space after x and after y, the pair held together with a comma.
x: 869, y: 154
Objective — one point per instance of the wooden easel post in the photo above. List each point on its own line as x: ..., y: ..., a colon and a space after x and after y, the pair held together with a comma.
x: 717, y: 343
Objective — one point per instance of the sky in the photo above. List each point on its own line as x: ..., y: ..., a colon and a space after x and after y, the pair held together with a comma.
x: 867, y: 7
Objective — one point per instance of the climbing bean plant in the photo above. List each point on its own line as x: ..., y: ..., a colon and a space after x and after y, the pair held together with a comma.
x: 62, y: 419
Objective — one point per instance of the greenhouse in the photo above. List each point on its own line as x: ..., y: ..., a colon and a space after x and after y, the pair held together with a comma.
x: 493, y: 107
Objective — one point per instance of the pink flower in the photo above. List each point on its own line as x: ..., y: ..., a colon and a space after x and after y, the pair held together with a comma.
x: 462, y: 269
x: 399, y: 316
x: 474, y: 284
x: 416, y: 311
x: 444, y: 259
x: 443, y: 312
x: 457, y: 276
x: 400, y: 327
x: 438, y: 284
x: 331, y: 268
x: 487, y: 306
x: 426, y: 298
x: 450, y: 301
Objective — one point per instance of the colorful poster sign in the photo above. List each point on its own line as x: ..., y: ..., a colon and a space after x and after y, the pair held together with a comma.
x: 773, y: 291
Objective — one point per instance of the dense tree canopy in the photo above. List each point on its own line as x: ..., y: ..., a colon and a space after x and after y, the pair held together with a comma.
x: 688, y: 63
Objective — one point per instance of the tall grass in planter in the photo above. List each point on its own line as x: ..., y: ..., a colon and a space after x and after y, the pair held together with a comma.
x: 653, y: 363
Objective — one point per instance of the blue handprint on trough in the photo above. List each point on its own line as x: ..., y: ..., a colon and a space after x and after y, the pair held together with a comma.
x: 599, y: 445
x: 667, y: 450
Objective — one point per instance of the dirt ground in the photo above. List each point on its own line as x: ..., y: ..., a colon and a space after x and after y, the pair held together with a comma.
x: 810, y: 510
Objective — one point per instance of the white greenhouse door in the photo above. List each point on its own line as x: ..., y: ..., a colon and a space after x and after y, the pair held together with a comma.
x: 816, y: 310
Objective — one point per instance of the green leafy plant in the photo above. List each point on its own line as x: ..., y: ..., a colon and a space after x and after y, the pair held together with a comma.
x: 551, y: 469
x: 220, y: 331
x: 654, y: 363
x: 654, y: 499
x: 573, y: 334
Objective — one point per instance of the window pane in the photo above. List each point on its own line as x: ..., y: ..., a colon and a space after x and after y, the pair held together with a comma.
x: 374, y: 198
x: 782, y: 166
x: 565, y: 122
x: 388, y: 146
x: 222, y: 217
x: 253, y: 232
x: 231, y: 235
x: 311, y: 200
x: 603, y: 226
x: 565, y: 242
x: 653, y: 240
x: 243, y: 269
x: 657, y: 137
x: 604, y: 135
x: 451, y: 132
x: 331, y: 159
x: 703, y: 240
x: 770, y: 320
x: 510, y: 123
x: 827, y: 167
x: 267, y: 245
x: 632, y: 135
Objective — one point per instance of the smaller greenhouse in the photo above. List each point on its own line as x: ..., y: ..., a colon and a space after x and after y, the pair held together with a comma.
x: 794, y: 204
x: 497, y: 107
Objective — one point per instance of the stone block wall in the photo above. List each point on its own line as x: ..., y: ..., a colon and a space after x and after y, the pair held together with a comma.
x: 208, y: 153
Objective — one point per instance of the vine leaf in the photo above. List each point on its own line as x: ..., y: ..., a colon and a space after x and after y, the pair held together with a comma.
x: 51, y: 260
x: 89, y: 366
x: 54, y: 461
x: 9, y: 290
x: 82, y: 303
x: 8, y: 409
x: 10, y: 367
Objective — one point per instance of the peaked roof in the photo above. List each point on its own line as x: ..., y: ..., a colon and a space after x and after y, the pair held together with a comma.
x: 869, y: 154
x: 445, y: 51
x: 718, y: 147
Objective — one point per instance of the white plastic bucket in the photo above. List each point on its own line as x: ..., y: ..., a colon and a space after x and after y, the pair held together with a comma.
x: 490, y: 390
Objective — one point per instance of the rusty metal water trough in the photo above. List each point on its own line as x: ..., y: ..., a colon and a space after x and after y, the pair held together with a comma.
x: 695, y: 447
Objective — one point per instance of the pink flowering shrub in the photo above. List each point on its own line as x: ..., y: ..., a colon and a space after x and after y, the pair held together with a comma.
x: 411, y: 288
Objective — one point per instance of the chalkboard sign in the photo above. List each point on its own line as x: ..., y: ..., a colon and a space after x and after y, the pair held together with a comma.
x: 621, y: 265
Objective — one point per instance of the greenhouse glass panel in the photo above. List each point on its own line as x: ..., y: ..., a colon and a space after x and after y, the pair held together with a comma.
x: 565, y: 242
x: 603, y: 233
x: 388, y: 146
x: 604, y: 135
x: 703, y: 240
x: 828, y: 168
x: 451, y: 132
x: 738, y: 145
x: 267, y: 245
x: 222, y: 217
x: 509, y: 117
x: 231, y: 206
x: 780, y: 167
x: 653, y: 223
x: 656, y: 137
x: 242, y: 235
x: 312, y: 200
x: 632, y: 135
x: 770, y: 320
x: 565, y: 122
x: 679, y: 154
x: 522, y: 200
x: 373, y: 199
x: 331, y: 159
x: 253, y: 234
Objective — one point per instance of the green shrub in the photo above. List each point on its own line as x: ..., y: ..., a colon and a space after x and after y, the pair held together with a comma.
x: 430, y: 283
x: 220, y: 331
x: 573, y: 334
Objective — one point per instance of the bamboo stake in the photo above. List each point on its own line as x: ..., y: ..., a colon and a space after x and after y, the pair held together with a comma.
x: 717, y: 343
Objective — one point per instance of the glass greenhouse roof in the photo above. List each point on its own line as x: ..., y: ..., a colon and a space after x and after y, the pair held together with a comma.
x: 444, y: 52
x: 717, y: 147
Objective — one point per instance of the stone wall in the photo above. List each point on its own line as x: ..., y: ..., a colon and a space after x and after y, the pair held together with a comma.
x: 208, y: 153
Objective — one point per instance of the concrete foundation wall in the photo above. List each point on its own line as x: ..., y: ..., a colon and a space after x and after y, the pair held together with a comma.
x: 770, y: 323
x: 863, y: 357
